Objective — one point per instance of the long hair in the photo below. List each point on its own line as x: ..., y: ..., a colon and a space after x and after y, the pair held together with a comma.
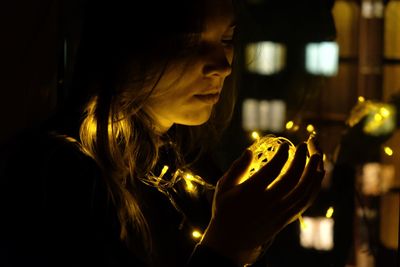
x: 120, y: 60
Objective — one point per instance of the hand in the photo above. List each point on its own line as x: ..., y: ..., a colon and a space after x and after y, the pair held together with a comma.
x: 245, y: 216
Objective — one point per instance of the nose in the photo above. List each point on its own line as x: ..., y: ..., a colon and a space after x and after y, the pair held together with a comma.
x: 218, y: 64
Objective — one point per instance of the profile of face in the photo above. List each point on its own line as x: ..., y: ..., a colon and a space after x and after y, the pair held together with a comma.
x: 189, y: 88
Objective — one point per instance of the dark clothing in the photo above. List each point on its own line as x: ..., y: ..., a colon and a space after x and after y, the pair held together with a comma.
x: 55, y: 211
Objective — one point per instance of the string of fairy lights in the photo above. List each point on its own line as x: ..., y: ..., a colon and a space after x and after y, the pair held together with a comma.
x: 264, y: 147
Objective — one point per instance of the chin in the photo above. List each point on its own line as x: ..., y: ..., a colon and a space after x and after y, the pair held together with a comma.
x: 196, y: 119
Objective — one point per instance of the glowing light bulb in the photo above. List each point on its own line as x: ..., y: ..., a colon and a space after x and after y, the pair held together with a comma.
x: 329, y: 212
x: 388, y: 151
x: 310, y: 128
x: 289, y: 125
x: 384, y: 112
x: 361, y: 99
x: 190, y: 187
x: 255, y: 135
x: 163, y: 171
x: 378, y: 117
x: 197, y: 234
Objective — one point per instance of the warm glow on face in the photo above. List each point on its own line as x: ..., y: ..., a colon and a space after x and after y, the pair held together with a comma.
x: 329, y: 212
x: 186, y: 94
x: 388, y: 151
x: 196, y: 234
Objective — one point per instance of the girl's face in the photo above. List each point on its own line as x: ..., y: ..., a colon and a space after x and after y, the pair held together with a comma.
x: 190, y: 88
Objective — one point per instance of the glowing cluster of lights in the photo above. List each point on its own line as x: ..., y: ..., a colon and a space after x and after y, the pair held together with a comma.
x: 184, y: 178
x: 379, y: 117
x: 291, y: 126
x: 263, y: 149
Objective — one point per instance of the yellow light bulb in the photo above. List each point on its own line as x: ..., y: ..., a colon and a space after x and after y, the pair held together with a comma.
x: 289, y: 125
x: 388, y: 151
x: 329, y: 212
x: 163, y: 171
x: 361, y: 99
x: 378, y: 117
x: 197, y: 234
x: 189, y: 186
x: 310, y: 128
x: 384, y: 112
x: 255, y: 135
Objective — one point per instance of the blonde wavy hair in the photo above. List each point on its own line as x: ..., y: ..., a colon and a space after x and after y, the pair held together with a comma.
x: 116, y: 61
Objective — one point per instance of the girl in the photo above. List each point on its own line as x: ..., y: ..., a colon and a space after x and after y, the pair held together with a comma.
x: 148, y: 87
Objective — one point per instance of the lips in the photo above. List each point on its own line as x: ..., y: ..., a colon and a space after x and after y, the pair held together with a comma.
x: 211, y: 98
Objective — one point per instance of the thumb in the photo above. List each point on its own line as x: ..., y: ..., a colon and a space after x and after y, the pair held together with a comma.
x: 237, y: 170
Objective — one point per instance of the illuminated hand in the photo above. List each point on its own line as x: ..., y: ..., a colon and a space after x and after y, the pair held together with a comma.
x: 247, y: 215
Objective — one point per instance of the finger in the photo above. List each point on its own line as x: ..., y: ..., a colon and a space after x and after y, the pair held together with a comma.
x: 312, y: 144
x: 237, y: 171
x: 310, y: 177
x: 311, y: 193
x: 292, y: 176
x: 314, y: 148
x: 268, y: 173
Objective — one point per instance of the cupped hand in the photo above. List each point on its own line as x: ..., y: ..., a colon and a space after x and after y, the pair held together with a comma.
x: 247, y: 215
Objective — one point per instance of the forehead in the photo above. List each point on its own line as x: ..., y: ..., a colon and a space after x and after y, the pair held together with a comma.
x: 219, y: 11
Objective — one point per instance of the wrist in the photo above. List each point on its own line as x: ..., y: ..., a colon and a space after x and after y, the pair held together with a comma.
x: 228, y: 247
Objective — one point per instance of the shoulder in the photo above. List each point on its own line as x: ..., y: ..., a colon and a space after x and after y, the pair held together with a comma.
x: 55, y: 205
x: 43, y: 166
